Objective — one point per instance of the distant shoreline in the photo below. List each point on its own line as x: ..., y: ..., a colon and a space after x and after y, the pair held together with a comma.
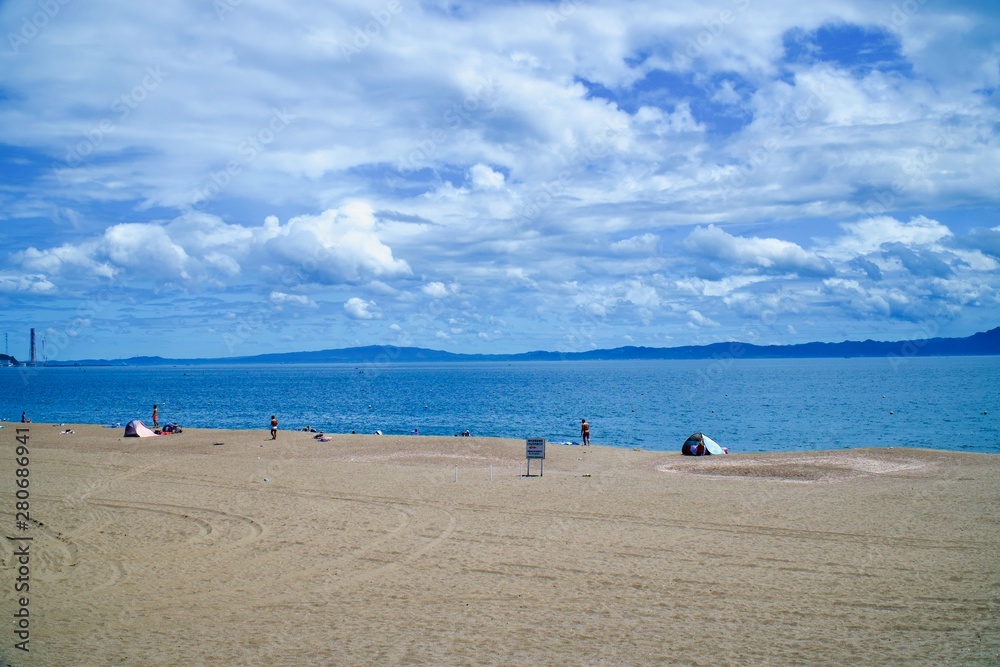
x: 980, y: 344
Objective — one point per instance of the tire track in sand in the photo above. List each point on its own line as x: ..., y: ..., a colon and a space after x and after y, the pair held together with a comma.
x: 417, y: 536
x: 210, y: 523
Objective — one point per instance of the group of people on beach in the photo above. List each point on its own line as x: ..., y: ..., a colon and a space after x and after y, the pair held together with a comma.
x: 584, y: 426
x: 584, y: 429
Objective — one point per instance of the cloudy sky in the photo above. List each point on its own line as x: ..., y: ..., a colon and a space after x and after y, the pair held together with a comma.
x: 229, y: 177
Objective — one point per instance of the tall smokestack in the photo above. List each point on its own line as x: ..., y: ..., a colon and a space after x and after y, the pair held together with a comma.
x: 32, y: 362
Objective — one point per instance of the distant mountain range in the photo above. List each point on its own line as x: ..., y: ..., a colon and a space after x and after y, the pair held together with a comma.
x: 985, y: 343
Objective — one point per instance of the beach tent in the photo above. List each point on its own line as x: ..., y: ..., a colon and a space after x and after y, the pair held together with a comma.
x: 700, y: 444
x: 136, y: 429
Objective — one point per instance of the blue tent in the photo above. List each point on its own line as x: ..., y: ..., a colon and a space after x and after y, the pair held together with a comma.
x: 699, y: 444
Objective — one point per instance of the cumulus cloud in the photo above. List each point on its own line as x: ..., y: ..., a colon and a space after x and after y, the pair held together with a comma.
x: 918, y: 262
x: 334, y: 247
x: 64, y: 259
x: 484, y: 177
x: 870, y: 269
x: 768, y: 254
x: 642, y: 295
x: 868, y: 236
x: 28, y: 284
x: 439, y: 290
x: 641, y: 244
x: 697, y: 320
x: 359, y: 309
x: 296, y: 300
x: 984, y: 240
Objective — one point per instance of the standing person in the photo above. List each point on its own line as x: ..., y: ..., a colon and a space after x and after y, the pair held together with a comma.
x: 585, y: 431
x: 274, y: 427
x: 156, y: 416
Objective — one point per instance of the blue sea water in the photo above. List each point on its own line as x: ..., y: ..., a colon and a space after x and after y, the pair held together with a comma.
x: 747, y: 405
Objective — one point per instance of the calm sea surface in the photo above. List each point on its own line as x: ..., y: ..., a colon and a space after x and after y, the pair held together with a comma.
x: 746, y: 405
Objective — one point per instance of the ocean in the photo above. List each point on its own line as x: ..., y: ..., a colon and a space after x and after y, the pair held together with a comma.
x: 757, y: 405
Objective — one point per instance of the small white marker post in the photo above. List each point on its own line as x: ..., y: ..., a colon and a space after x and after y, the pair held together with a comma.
x: 535, y: 449
x: 456, y: 473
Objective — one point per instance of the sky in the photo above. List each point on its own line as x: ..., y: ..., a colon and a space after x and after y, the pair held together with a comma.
x: 216, y: 178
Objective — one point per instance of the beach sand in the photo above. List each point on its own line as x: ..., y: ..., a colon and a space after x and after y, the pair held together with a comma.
x: 224, y: 548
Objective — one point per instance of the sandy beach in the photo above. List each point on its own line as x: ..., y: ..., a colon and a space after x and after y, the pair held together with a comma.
x: 214, y: 547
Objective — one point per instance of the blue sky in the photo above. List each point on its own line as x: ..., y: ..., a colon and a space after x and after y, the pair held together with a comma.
x: 228, y: 177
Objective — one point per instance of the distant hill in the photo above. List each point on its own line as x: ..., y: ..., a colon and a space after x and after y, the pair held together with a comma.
x: 985, y: 343
x: 7, y: 359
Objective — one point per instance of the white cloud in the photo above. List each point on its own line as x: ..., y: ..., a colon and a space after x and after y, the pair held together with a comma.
x: 868, y: 236
x: 484, y: 177
x: 295, y: 300
x: 359, y: 309
x: 765, y: 253
x: 726, y: 94
x: 29, y: 284
x: 642, y: 295
x: 697, y: 320
x: 439, y: 290
x: 336, y: 246
x: 641, y: 244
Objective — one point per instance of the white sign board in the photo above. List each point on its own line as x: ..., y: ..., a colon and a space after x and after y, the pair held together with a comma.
x: 535, y: 448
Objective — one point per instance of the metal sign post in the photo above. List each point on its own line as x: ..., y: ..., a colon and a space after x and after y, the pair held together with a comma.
x: 535, y: 449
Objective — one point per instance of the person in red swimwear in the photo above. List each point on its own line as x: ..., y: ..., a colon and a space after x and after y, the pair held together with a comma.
x: 585, y: 431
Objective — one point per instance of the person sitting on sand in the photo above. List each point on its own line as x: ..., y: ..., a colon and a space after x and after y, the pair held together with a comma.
x: 274, y: 427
